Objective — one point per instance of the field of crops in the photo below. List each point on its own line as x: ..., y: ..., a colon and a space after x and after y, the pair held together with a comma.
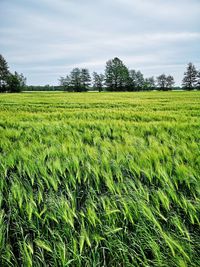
x: 100, y: 179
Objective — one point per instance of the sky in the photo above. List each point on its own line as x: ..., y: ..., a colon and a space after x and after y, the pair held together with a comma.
x: 46, y: 39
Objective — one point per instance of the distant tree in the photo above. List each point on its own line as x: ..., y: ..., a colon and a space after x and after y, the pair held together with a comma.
x: 75, y: 77
x: 137, y: 81
x: 149, y: 83
x: 46, y: 87
x: 85, y: 79
x: 197, y: 85
x: 116, y: 75
x: 161, y: 81
x: 22, y: 80
x: 77, y: 81
x: 190, y: 77
x: 169, y: 82
x: 14, y: 83
x: 140, y: 80
x: 98, y: 80
x: 109, y: 75
x: 62, y: 81
x: 165, y: 82
x: 65, y: 83
x: 133, y: 80
x: 4, y: 73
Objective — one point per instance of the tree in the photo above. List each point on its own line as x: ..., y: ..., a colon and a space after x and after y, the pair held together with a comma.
x: 169, y: 82
x: 77, y: 81
x: 133, y: 80
x: 4, y: 73
x: 98, y: 81
x: 85, y: 79
x: 116, y: 75
x: 65, y: 82
x: 140, y: 80
x: 165, y: 82
x: 161, y: 81
x: 14, y: 83
x: 10, y: 82
x: 80, y: 79
x: 149, y: 83
x: 62, y: 82
x: 198, y: 81
x: 75, y: 77
x: 190, y: 77
x: 137, y: 81
x: 21, y: 79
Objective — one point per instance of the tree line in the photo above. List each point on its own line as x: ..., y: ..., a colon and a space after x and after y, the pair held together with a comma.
x: 117, y: 77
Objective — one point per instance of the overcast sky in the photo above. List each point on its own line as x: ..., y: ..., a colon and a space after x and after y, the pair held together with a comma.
x: 45, y: 39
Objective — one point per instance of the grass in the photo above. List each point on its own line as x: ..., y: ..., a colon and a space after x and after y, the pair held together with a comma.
x: 100, y: 179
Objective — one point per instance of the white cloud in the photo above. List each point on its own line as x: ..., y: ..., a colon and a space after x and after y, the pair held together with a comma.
x: 51, y: 37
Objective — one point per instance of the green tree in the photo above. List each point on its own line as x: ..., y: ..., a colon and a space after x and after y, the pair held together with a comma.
x: 65, y: 83
x: 85, y: 79
x: 161, y: 81
x: 77, y: 81
x: 198, y: 81
x: 10, y: 82
x: 116, y: 75
x: 140, y: 80
x: 14, y: 83
x: 133, y: 80
x: 149, y: 83
x: 75, y: 77
x: 137, y: 81
x: 169, y: 82
x: 164, y: 82
x: 98, y: 81
x: 22, y: 80
x: 4, y: 73
x: 190, y: 77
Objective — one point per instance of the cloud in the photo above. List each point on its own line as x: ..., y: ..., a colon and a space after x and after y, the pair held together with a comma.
x: 45, y: 39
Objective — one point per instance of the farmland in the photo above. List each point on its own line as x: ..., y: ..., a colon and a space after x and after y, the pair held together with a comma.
x: 100, y: 179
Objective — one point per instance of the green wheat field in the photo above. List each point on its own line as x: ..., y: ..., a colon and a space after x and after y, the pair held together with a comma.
x: 100, y: 179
